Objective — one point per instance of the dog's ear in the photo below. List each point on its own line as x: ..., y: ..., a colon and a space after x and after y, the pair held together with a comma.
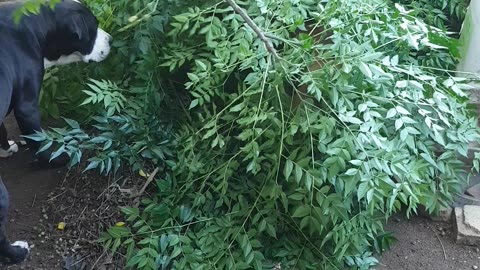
x: 78, y: 26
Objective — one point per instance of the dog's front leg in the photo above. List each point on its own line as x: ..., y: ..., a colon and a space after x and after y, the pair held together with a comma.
x: 18, y: 251
x: 27, y: 114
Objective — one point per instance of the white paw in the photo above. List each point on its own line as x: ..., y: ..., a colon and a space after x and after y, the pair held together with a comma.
x: 22, y: 244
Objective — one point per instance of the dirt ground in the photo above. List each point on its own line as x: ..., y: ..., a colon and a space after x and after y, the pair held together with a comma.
x: 424, y: 244
x: 29, y: 187
x: 40, y: 198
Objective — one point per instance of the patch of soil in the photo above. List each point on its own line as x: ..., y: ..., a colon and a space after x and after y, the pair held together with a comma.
x: 88, y: 205
x: 41, y: 198
x: 29, y: 186
x: 426, y: 244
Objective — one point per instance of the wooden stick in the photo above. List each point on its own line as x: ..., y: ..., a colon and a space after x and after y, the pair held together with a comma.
x: 255, y: 28
x: 149, y: 180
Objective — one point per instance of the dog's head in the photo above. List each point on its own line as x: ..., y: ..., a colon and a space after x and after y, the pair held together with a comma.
x: 77, y: 36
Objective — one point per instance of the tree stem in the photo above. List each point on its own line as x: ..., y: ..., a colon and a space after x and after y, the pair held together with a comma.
x: 256, y: 29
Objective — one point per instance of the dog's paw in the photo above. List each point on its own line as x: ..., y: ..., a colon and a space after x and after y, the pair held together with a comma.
x: 22, y: 244
x: 19, y: 252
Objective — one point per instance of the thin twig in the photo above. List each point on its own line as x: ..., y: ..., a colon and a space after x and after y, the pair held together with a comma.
x: 34, y: 199
x: 107, y: 189
x: 101, y: 256
x: 83, y: 211
x: 149, y: 180
x: 256, y: 29
x: 286, y: 41
x: 439, y: 240
x: 82, y: 259
x: 56, y: 196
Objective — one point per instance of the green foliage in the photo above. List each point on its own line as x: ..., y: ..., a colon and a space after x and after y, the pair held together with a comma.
x: 255, y: 170
x: 32, y: 7
x: 106, y: 93
x: 444, y: 13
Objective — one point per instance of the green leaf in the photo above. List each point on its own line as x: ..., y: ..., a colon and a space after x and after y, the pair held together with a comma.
x: 398, y: 124
x: 429, y: 159
x: 353, y: 120
x: 362, y: 190
x: 301, y: 211
x: 401, y: 110
x: 237, y: 107
x: 401, y: 84
x: 201, y: 65
x: 57, y: 153
x: 298, y: 173
x: 352, y: 172
x: 365, y: 70
x: 287, y: 170
x: 193, y: 104
x: 72, y: 123
x: 391, y: 113
x: 45, y: 146
x: 176, y: 251
x: 118, y: 232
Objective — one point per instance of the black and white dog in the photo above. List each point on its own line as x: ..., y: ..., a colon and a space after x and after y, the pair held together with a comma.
x: 68, y: 33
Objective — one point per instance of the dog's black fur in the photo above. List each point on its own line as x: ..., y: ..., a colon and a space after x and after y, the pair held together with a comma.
x: 24, y: 49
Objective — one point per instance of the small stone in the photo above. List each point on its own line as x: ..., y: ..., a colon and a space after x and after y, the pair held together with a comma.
x: 444, y: 214
x: 474, y: 191
x: 475, y: 267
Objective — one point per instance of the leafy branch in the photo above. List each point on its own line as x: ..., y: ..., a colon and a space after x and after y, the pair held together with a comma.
x: 244, y: 177
x: 255, y: 28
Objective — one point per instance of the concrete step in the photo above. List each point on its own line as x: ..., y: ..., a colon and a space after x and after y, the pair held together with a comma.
x: 467, y: 225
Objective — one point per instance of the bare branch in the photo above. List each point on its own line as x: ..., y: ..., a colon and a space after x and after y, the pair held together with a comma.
x: 256, y: 29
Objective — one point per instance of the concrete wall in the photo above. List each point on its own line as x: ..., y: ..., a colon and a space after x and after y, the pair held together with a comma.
x: 470, y: 40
